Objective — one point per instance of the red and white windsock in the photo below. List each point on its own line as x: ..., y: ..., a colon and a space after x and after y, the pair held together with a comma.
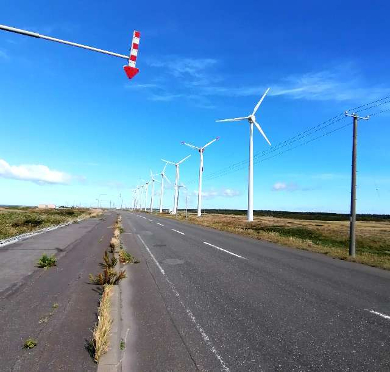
x: 130, y: 69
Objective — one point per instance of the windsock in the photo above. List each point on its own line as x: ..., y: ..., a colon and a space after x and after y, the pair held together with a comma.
x: 130, y: 69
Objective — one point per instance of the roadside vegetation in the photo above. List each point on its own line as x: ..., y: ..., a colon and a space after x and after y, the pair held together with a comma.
x: 47, y: 261
x: 328, y: 236
x: 101, y: 332
x: 109, y: 277
x: 19, y: 220
x: 30, y: 343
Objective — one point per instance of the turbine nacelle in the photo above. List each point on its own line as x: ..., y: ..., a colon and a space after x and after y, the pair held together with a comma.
x: 252, y: 118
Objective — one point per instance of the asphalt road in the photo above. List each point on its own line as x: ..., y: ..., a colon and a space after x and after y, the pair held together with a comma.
x: 212, y: 301
x: 56, y: 307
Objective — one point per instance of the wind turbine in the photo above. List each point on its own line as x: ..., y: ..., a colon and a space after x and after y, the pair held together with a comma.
x: 185, y: 187
x: 176, y: 181
x: 252, y: 120
x: 152, y: 180
x: 162, y: 185
x: 146, y: 193
x: 201, y: 150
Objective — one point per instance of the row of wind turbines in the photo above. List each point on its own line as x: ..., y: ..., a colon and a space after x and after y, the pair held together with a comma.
x: 143, y: 189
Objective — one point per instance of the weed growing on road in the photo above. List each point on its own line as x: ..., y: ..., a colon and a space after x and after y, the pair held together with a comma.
x: 30, y: 343
x: 122, y: 345
x: 125, y: 257
x: 108, y: 276
x: 114, y: 244
x: 46, y: 261
x: 101, y: 332
x: 55, y: 305
x: 108, y: 262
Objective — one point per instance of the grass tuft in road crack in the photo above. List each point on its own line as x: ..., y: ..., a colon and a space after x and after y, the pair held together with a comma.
x: 125, y: 257
x: 46, y: 261
x: 30, y: 343
x: 109, y: 274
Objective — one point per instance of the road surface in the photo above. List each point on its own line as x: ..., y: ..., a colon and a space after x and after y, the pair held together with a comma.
x: 56, y: 307
x: 212, y: 301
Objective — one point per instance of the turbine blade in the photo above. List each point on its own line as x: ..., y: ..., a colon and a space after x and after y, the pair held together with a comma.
x: 208, y: 144
x: 189, y: 145
x: 181, y: 161
x: 259, y: 103
x: 169, y: 162
x: 261, y: 131
x: 164, y: 167
x: 167, y: 179
x: 234, y: 119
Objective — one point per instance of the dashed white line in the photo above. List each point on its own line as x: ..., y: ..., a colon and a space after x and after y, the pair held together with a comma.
x: 179, y: 232
x: 379, y: 314
x: 158, y: 223
x: 205, y: 337
x: 224, y: 250
x: 150, y: 220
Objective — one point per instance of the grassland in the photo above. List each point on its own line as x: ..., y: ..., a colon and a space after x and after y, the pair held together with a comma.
x: 15, y: 221
x: 301, y: 231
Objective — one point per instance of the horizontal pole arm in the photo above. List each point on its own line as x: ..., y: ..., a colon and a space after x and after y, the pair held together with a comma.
x: 39, y: 36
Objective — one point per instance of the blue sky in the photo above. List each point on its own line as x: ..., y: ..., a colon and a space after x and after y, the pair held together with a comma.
x: 74, y: 127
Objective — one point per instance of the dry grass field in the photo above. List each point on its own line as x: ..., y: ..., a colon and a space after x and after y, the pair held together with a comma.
x: 327, y: 237
x: 15, y: 221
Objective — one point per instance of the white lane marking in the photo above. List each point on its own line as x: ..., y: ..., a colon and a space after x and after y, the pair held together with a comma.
x: 378, y: 313
x: 158, y: 223
x: 206, y: 338
x: 144, y: 217
x: 151, y: 220
x: 179, y: 232
x: 224, y: 250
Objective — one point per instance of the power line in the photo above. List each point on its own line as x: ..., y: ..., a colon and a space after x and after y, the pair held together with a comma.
x: 308, y: 132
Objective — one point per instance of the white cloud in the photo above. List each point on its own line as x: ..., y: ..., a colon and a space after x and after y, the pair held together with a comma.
x: 163, y: 97
x: 215, y: 193
x: 282, y: 186
x: 40, y: 174
x: 181, y: 67
x: 230, y: 193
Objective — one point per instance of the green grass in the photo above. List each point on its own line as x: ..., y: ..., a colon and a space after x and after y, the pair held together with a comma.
x: 46, y: 261
x: 15, y: 221
x: 30, y: 343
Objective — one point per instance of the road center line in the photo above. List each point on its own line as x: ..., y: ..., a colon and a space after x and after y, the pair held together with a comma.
x: 205, y: 338
x: 224, y: 250
x: 378, y: 313
x: 151, y: 220
x: 179, y: 232
x: 158, y: 223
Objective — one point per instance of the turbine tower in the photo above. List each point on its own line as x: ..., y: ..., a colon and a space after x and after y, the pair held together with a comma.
x: 251, y: 120
x: 152, y: 180
x: 146, y: 194
x: 201, y: 150
x: 175, y: 202
x: 162, y: 185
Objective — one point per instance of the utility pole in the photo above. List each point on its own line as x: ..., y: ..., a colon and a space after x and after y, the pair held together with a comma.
x: 352, y: 231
